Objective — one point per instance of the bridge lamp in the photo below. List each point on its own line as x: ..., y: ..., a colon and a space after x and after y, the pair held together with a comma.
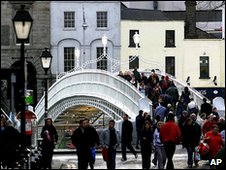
x: 46, y: 59
x: 136, y: 39
x: 104, y: 42
x: 22, y: 23
x: 77, y: 55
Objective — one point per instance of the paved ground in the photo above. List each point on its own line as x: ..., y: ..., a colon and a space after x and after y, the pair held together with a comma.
x: 69, y: 161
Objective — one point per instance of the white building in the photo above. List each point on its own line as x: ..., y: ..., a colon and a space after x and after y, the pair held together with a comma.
x: 81, y: 24
x: 212, y: 26
x: 164, y: 45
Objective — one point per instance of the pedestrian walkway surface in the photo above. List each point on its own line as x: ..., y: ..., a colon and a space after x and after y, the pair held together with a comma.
x: 69, y: 161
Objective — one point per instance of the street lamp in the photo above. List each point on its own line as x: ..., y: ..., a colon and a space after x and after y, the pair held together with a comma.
x: 136, y: 39
x: 104, y: 42
x: 46, y: 59
x: 77, y: 55
x: 22, y: 23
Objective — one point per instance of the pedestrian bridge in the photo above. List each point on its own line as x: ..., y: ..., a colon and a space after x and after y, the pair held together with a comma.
x: 101, y: 89
x: 98, y: 88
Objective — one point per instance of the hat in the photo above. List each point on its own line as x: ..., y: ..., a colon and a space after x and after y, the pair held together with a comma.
x: 169, y: 105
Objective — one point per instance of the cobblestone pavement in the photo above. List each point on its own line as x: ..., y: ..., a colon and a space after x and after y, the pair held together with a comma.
x: 69, y: 161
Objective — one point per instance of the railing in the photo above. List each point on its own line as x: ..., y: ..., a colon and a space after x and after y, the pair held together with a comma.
x: 104, y: 88
x: 197, y: 96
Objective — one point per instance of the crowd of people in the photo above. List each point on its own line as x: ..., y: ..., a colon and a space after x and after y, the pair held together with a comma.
x: 174, y: 122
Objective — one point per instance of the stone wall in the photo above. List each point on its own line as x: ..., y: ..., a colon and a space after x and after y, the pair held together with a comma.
x: 39, y: 36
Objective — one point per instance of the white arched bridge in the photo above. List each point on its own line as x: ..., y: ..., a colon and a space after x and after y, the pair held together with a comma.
x: 101, y: 89
x: 98, y: 88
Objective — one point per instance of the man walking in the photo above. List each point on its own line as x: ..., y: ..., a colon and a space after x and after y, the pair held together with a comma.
x: 139, y: 126
x: 170, y: 135
x: 126, y: 136
x: 84, y: 140
x: 110, y: 139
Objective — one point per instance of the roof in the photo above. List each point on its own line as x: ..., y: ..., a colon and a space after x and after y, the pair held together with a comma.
x: 157, y: 15
x: 141, y: 14
x: 201, y: 16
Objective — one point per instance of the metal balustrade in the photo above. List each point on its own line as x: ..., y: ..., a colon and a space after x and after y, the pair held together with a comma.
x: 101, y: 89
x: 197, y: 96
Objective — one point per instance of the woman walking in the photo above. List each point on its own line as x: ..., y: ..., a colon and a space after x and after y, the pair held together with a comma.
x: 159, y: 148
x: 146, y: 145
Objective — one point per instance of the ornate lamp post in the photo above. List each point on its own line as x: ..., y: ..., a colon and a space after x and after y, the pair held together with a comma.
x: 46, y: 59
x: 22, y: 23
x: 77, y: 55
x: 104, y: 42
x: 136, y: 39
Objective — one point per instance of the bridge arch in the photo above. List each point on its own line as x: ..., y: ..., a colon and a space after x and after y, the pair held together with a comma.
x: 109, y: 93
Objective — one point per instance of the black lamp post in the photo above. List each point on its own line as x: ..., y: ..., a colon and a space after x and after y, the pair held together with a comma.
x: 46, y: 59
x: 22, y: 23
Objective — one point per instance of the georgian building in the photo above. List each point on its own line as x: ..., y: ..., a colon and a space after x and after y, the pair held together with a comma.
x: 81, y: 25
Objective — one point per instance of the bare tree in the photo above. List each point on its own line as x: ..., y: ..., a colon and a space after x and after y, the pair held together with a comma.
x: 210, y: 5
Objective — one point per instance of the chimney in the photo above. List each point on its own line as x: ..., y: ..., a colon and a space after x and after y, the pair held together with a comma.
x: 190, y: 20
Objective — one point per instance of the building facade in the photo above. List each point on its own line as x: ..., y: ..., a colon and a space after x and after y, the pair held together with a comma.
x: 10, y: 51
x: 164, y: 45
x: 82, y: 24
x: 210, y: 25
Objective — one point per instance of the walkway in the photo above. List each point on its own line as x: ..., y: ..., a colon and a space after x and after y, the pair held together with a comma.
x: 69, y: 161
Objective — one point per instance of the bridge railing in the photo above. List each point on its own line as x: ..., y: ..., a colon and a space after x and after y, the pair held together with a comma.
x: 197, y: 96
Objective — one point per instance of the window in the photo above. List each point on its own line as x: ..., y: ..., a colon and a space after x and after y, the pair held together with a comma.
x: 102, y: 64
x: 131, y: 34
x: 204, y: 67
x: 69, y: 19
x: 102, y: 20
x: 69, y: 61
x: 134, y: 63
x: 170, y: 65
x: 170, y: 38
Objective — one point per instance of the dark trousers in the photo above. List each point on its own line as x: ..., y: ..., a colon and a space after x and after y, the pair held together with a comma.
x: 83, y: 158
x: 47, y: 156
x: 190, y: 151
x: 111, y: 156
x: 129, y: 146
x: 170, y: 150
x: 138, y: 140
x: 146, y: 156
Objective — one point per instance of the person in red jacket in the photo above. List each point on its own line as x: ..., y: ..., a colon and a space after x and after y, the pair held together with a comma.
x: 214, y: 140
x: 208, y: 124
x: 170, y: 135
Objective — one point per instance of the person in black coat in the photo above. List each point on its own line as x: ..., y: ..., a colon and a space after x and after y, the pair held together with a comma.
x: 50, y: 137
x: 84, y: 139
x: 139, y: 125
x: 94, y: 142
x: 146, y: 145
x: 126, y: 137
x: 206, y: 107
x: 10, y: 141
x: 191, y: 133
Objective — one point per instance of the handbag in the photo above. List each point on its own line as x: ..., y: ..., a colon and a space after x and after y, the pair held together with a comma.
x: 203, y: 150
x: 104, y: 152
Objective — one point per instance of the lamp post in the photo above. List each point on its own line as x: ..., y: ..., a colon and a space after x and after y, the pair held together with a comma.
x: 77, y: 55
x: 84, y: 26
x: 104, y: 42
x: 136, y: 39
x: 22, y: 23
x: 46, y: 59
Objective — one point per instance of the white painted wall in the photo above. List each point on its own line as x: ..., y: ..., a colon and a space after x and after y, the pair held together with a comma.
x: 187, y: 51
x: 61, y: 37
